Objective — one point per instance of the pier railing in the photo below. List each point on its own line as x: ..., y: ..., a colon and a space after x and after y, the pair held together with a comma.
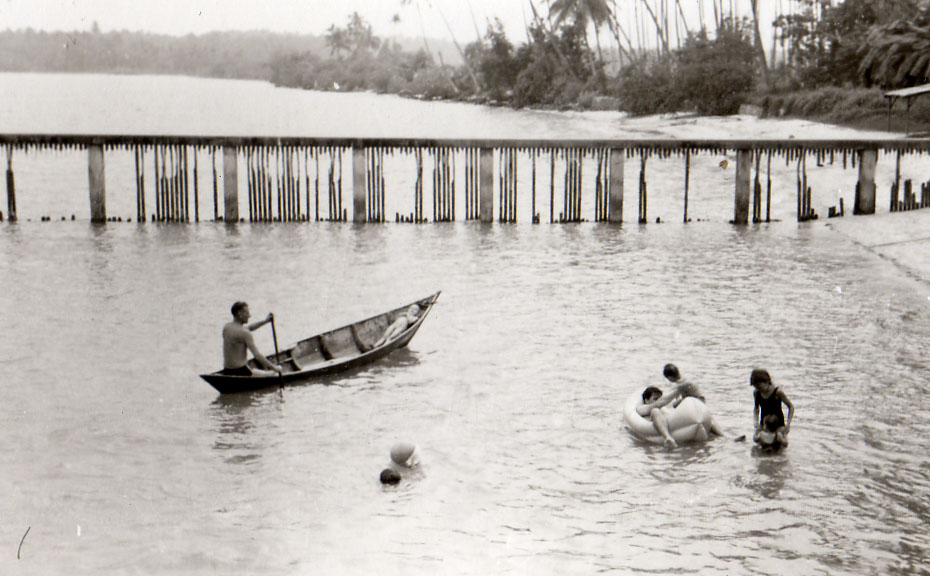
x: 280, y: 188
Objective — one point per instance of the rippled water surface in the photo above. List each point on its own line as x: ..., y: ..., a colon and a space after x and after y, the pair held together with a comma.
x: 118, y: 458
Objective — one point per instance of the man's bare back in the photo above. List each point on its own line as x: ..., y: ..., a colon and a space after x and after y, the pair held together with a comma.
x: 237, y: 340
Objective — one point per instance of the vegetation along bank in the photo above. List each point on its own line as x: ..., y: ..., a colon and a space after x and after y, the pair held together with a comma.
x: 826, y: 60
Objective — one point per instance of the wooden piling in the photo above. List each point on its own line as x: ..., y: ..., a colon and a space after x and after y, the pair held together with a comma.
x: 451, y: 187
x: 196, y: 190
x: 757, y: 191
x: 96, y: 177
x: 141, y: 217
x: 768, y: 189
x: 865, y: 189
x: 316, y: 185
x: 359, y: 180
x: 185, y: 184
x: 741, y: 194
x: 579, y: 162
x: 230, y: 185
x: 157, y: 176
x: 10, y: 186
x: 216, y: 210
x: 533, y: 152
x: 486, y: 185
x: 138, y: 185
x: 551, y: 185
x: 643, y: 206
x: 685, y: 218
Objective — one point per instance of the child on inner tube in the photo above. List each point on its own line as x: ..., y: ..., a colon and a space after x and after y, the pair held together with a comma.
x: 683, y: 389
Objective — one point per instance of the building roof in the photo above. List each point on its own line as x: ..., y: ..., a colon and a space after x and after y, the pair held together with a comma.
x: 908, y: 92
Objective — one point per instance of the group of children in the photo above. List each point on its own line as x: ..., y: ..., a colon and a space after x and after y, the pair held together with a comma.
x: 771, y: 428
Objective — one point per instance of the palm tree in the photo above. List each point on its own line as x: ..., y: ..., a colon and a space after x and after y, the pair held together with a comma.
x: 899, y: 53
x: 337, y: 40
x: 583, y: 13
x: 758, y: 38
x: 548, y: 31
x: 661, y: 34
x: 620, y: 33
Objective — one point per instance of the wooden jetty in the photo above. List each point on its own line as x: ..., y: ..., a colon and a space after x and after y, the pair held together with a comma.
x: 279, y: 186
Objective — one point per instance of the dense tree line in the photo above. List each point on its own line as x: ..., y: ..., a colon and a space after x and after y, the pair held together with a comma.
x: 711, y: 66
x: 246, y: 55
x: 713, y: 69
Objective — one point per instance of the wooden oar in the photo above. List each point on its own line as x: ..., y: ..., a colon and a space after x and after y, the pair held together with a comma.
x: 274, y: 336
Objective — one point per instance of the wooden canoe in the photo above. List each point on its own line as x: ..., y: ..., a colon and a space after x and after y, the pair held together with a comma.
x: 327, y: 353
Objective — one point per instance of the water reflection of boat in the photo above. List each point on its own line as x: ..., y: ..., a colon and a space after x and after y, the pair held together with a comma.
x: 234, y: 414
x: 330, y: 352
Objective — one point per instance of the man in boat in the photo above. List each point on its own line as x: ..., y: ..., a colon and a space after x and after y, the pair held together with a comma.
x: 237, y: 339
x: 683, y: 389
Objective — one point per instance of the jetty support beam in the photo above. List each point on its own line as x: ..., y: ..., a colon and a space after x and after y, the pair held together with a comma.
x: 230, y: 184
x: 96, y: 177
x: 615, y: 187
x: 359, y: 179
x: 10, y: 187
x: 743, y: 176
x: 486, y: 188
x: 865, y: 188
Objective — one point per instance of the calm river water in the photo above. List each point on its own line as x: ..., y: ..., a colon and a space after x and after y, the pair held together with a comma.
x: 118, y: 459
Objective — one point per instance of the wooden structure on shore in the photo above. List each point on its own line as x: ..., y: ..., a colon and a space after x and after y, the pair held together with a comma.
x: 908, y: 94
x: 280, y: 188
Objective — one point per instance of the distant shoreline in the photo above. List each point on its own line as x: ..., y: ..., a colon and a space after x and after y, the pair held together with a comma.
x: 668, y: 124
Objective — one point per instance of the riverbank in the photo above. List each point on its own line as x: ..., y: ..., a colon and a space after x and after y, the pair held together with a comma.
x: 902, y: 238
x: 860, y: 108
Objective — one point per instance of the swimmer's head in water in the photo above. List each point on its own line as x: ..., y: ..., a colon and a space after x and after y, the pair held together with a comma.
x: 671, y: 372
x: 404, y: 453
x: 651, y: 394
x: 389, y: 476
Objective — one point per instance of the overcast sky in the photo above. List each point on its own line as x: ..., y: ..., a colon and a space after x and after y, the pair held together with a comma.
x: 388, y: 17
x: 301, y: 16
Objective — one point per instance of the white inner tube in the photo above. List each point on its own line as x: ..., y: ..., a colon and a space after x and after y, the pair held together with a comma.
x: 690, y: 421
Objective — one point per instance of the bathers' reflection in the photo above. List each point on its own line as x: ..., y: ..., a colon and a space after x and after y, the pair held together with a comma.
x: 772, y: 472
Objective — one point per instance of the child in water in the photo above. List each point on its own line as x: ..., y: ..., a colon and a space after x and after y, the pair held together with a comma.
x: 771, y: 437
x: 768, y: 400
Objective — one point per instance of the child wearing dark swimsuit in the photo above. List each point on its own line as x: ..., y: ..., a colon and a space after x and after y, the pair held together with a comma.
x: 768, y: 400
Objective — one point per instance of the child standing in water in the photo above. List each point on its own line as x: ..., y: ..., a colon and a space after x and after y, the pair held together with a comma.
x: 767, y: 414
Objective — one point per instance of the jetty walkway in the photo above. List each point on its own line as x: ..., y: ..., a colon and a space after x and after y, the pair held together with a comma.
x: 301, y: 179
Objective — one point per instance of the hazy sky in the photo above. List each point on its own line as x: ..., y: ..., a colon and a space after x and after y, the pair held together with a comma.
x: 301, y: 16
x: 388, y: 17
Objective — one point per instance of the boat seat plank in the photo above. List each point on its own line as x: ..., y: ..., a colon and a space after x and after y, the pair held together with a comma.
x: 339, y: 343
x: 309, y: 352
x: 368, y: 332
